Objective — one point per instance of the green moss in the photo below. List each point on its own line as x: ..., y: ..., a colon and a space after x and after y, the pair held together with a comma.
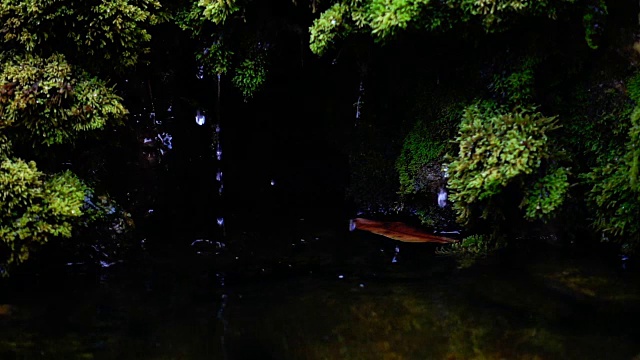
x: 216, y: 59
x: 419, y: 149
x: 497, y: 147
x: 330, y: 26
x: 518, y: 86
x: 615, y: 192
x: 546, y: 195
x: 88, y: 31
x: 250, y: 76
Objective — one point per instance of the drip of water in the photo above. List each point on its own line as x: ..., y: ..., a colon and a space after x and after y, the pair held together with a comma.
x: 200, y: 118
x: 359, y: 102
x: 219, y: 152
x: 395, y: 255
x: 442, y: 198
x: 200, y: 73
x: 220, y: 222
x: 153, y: 118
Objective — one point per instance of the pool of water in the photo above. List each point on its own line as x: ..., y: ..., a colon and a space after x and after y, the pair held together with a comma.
x: 323, y: 293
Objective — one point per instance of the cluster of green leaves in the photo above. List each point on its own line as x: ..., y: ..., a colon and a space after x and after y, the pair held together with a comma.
x: 383, y: 19
x: 35, y: 208
x: 497, y: 147
x: 47, y: 101
x: 87, y: 31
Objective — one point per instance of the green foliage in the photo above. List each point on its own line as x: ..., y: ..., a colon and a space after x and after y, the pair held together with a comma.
x: 250, y: 76
x: 88, y: 31
x: 218, y: 10
x: 497, y: 147
x: 47, y: 101
x: 35, y: 208
x: 471, y: 249
x: 546, y: 194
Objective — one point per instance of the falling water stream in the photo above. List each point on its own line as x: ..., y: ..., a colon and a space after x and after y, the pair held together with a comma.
x: 359, y: 102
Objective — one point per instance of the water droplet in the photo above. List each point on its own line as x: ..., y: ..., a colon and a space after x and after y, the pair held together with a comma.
x: 200, y: 118
x: 220, y: 221
x: 442, y: 198
x: 395, y: 255
x: 340, y: 276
